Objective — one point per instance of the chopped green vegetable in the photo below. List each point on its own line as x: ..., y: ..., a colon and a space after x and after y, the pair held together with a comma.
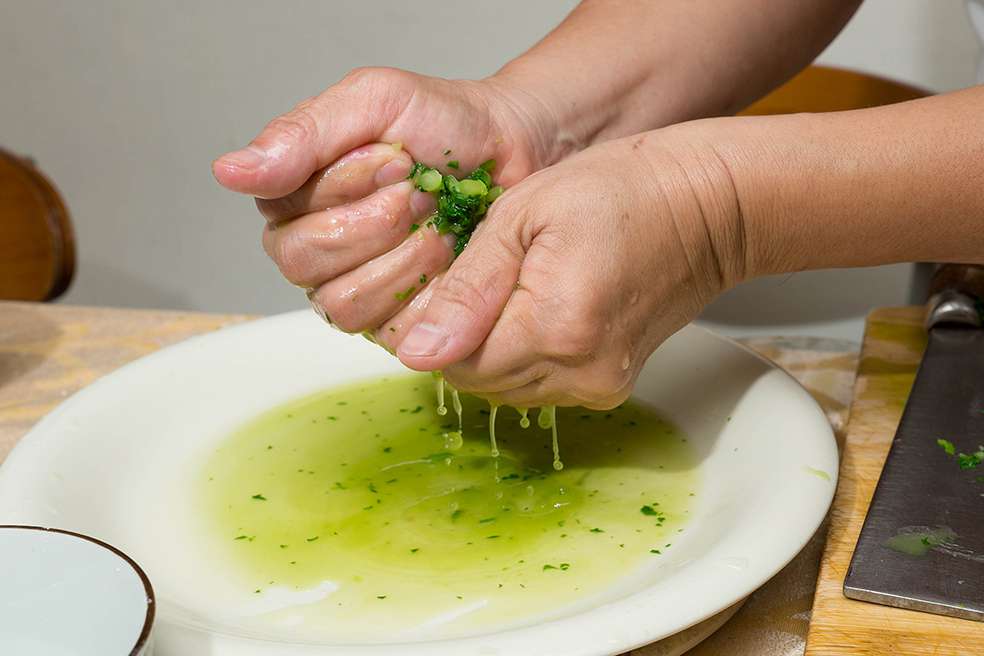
x: 971, y: 460
x: 259, y: 497
x: 423, y: 278
x: 404, y: 295
x: 947, y: 446
x: 648, y: 510
x: 461, y: 204
x: 597, y: 530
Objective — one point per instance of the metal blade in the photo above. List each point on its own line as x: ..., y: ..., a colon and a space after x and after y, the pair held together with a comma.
x: 922, y: 543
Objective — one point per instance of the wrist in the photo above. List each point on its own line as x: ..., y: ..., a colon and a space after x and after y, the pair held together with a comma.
x: 551, y: 121
x: 696, y: 190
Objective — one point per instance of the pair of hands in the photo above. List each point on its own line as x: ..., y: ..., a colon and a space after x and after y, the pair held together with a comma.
x: 578, y: 272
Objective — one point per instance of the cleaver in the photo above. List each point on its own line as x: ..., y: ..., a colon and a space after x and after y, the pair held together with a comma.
x: 922, y: 543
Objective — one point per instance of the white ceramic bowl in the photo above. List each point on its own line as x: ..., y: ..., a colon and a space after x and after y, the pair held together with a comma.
x: 112, y: 460
x: 65, y: 594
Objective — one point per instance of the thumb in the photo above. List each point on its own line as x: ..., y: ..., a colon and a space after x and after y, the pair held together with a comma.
x: 467, y: 300
x: 312, y: 135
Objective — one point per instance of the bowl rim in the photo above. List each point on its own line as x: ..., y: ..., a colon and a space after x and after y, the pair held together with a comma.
x: 148, y: 623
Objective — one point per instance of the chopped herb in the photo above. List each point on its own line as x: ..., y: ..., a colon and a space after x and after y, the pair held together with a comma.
x: 461, y: 204
x: 414, y: 227
x: 417, y: 409
x: 655, y: 551
x: 415, y: 550
x: 491, y: 537
x: 649, y: 510
x: 372, y: 488
x: 456, y: 514
x: 947, y: 446
x: 380, y: 596
x: 423, y: 278
x: 283, y: 546
x: 486, y: 520
x: 387, y: 449
x: 597, y: 530
x: 546, y: 567
x: 404, y: 295
x: 259, y: 497
x: 312, y: 539
x: 241, y: 537
x: 971, y: 460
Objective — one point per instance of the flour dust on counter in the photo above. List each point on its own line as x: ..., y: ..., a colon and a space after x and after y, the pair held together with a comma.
x: 356, y: 516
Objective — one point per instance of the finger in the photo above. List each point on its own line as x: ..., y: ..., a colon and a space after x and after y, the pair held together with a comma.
x: 323, y: 245
x: 318, y: 131
x: 468, y: 299
x: 507, y: 358
x: 365, y: 297
x: 356, y: 175
x: 536, y: 393
x: 391, y: 333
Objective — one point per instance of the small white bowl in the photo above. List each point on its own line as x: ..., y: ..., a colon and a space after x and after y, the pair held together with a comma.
x: 64, y: 594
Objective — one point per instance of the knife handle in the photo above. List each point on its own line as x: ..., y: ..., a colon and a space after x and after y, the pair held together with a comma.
x: 956, y: 295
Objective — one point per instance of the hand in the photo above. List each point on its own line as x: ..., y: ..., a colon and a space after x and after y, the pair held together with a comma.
x: 578, y: 273
x: 339, y: 209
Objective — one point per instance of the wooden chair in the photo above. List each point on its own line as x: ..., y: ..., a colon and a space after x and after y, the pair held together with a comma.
x: 825, y: 89
x: 37, y: 247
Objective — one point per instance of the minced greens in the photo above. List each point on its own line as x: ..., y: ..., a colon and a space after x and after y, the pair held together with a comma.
x: 461, y: 203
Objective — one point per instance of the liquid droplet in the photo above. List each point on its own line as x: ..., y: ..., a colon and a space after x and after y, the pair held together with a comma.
x: 493, y: 411
x: 456, y: 404
x: 439, y: 382
x: 453, y: 440
x: 546, y: 417
x: 524, y: 419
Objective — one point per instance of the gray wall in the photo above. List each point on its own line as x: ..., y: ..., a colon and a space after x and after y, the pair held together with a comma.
x: 125, y: 103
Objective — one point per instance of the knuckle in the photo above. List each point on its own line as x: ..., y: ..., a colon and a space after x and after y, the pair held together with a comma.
x: 298, y: 125
x: 342, y: 312
x: 292, y: 253
x: 464, y: 292
x: 278, y: 209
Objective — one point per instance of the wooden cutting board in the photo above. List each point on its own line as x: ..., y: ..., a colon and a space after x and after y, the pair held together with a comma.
x: 893, y: 345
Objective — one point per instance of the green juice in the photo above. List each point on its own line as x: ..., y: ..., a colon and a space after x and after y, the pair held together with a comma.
x: 358, y: 492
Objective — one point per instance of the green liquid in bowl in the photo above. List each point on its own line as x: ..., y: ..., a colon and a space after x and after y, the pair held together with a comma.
x: 354, y: 493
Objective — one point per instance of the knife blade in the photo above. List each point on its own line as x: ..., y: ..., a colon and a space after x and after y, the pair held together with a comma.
x: 922, y: 543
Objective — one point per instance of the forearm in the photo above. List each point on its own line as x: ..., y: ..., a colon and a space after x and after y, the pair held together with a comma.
x: 892, y: 184
x: 619, y: 67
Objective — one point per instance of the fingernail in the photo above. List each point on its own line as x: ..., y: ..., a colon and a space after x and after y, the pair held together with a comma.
x: 392, y: 172
x: 425, y: 339
x: 249, y: 157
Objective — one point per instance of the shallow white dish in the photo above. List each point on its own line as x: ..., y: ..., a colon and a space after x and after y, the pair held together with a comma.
x: 110, y: 462
x: 64, y: 593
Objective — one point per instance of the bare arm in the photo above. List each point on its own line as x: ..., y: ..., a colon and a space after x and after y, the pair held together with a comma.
x: 619, y: 67
x: 899, y: 183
